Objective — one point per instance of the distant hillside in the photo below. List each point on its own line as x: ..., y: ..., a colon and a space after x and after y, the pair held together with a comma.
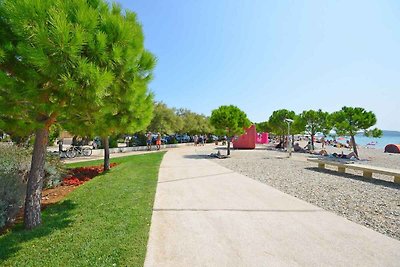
x: 387, y: 133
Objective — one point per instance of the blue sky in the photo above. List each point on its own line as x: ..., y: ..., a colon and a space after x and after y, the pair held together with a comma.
x: 267, y: 55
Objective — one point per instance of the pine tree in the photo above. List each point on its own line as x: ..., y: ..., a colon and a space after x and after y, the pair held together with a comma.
x: 349, y: 121
x: 229, y: 120
x: 55, y: 68
x: 127, y: 105
x: 315, y: 122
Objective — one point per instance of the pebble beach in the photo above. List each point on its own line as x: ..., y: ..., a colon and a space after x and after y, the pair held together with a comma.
x: 374, y: 203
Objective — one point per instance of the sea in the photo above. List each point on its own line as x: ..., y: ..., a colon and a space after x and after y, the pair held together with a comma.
x: 388, y: 137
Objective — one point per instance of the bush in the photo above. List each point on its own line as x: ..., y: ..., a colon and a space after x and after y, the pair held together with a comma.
x: 14, y: 169
x: 12, y: 193
x: 113, y: 141
x: 172, y: 140
x: 54, y: 171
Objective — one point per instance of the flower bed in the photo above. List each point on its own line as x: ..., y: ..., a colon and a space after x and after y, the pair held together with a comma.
x: 80, y: 175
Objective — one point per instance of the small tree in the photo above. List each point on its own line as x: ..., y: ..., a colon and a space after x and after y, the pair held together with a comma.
x: 315, y: 122
x: 229, y: 120
x: 349, y: 121
x: 277, y: 121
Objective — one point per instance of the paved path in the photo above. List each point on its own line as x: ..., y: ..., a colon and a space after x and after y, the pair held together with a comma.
x: 207, y: 215
x: 113, y: 155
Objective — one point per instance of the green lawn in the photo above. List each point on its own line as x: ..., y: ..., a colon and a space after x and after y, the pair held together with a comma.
x: 104, y: 222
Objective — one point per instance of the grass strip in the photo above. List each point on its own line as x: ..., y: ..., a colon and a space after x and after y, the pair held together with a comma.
x: 104, y: 222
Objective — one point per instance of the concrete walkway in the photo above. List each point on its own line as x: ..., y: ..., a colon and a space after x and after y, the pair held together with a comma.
x: 207, y: 215
x: 114, y: 155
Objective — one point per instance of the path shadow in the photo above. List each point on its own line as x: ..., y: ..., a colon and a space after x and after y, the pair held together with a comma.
x: 54, y: 217
x: 197, y: 156
x: 356, y: 177
x: 195, y: 177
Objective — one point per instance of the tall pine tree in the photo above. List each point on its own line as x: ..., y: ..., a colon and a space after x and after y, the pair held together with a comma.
x: 54, y: 68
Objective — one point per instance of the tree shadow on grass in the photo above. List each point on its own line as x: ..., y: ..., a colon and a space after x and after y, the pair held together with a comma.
x: 54, y: 217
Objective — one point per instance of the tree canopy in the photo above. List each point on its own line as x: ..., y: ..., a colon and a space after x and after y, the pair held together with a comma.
x: 350, y: 120
x: 165, y: 120
x: 193, y: 123
x: 229, y: 120
x: 277, y: 121
x: 263, y: 127
x: 315, y: 121
x: 128, y: 106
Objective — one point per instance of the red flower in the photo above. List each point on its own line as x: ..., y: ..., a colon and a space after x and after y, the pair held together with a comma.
x: 80, y: 175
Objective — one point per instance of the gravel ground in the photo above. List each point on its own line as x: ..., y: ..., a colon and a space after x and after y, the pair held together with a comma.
x: 373, y: 203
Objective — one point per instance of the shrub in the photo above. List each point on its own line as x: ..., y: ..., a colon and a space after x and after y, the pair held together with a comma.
x: 12, y: 193
x: 14, y: 169
x: 172, y: 140
x: 113, y: 142
x: 54, y: 171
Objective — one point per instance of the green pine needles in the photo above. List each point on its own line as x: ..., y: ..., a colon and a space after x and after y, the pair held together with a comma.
x: 80, y: 64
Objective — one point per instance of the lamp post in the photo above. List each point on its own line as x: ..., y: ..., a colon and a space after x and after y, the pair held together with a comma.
x: 289, y: 121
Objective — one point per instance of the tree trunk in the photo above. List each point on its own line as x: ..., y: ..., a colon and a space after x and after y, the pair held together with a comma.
x: 353, y: 143
x: 229, y: 147
x: 312, y: 142
x: 106, y: 146
x: 32, y: 215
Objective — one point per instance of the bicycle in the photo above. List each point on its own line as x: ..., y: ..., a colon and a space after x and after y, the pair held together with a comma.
x: 74, y: 151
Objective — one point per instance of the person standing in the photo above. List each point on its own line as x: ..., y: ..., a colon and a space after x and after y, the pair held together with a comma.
x: 195, y: 140
x: 148, y: 141
x: 60, y: 147
x: 204, y: 139
x: 158, y: 141
x: 200, y: 140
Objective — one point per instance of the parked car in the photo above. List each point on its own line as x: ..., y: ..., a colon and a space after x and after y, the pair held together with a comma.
x: 214, y: 138
x: 184, y: 138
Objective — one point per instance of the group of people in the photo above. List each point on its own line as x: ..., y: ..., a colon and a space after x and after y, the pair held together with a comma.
x: 149, y: 141
x: 323, y: 152
x: 337, y: 144
x: 199, y: 139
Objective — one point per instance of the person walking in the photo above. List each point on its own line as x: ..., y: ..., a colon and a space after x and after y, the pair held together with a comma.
x: 204, y: 139
x: 158, y: 141
x: 148, y: 141
x: 200, y: 140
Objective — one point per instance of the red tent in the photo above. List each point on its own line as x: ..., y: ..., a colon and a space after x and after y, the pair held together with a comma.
x: 391, y: 148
